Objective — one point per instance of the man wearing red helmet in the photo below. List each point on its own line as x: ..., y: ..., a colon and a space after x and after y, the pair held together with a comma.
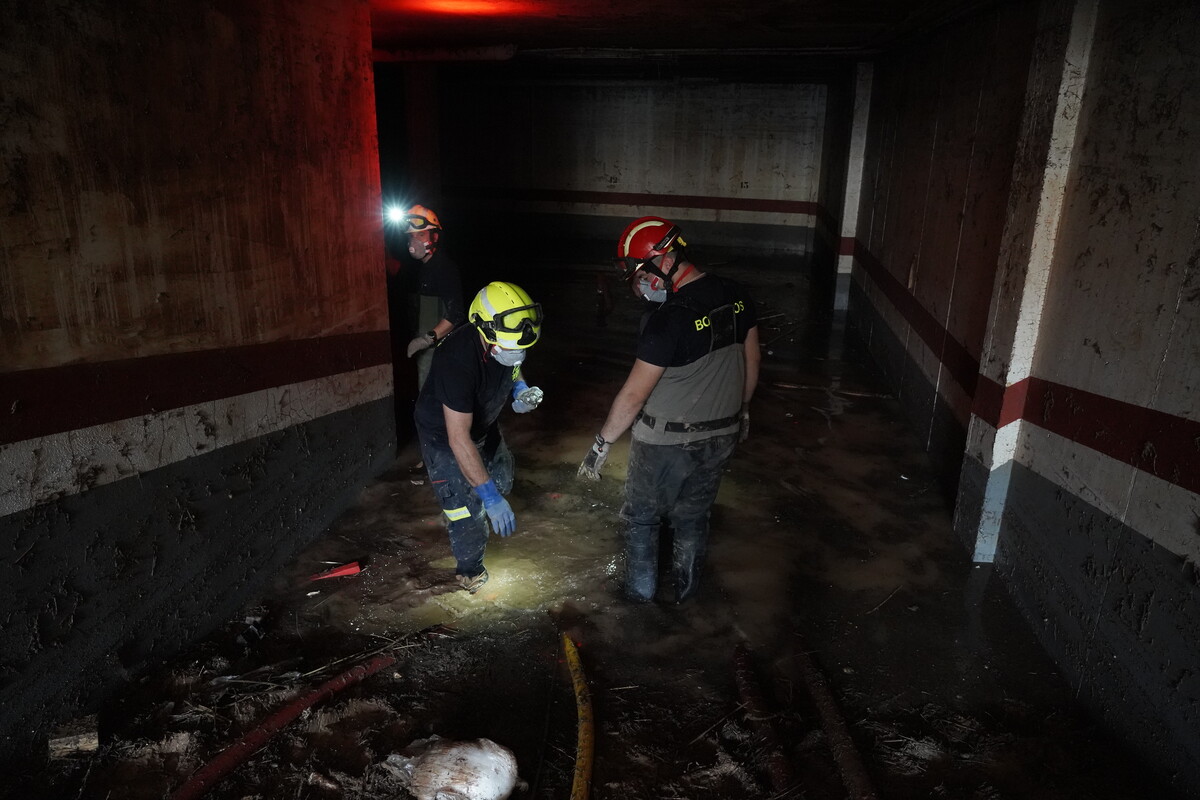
x: 686, y: 399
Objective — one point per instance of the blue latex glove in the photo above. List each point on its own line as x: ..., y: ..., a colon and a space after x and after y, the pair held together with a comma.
x: 525, y: 397
x: 504, y: 521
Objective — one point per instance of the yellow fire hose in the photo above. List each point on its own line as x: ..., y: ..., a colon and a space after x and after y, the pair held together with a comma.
x: 584, y: 743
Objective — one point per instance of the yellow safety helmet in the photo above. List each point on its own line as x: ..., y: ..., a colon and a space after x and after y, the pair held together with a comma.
x: 506, y: 316
x: 419, y: 218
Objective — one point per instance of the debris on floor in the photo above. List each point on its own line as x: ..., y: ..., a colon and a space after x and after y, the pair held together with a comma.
x: 816, y: 547
x: 340, y: 571
x: 439, y: 769
x: 76, y: 738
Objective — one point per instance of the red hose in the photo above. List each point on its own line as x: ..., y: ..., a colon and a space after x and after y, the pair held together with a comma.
x: 778, y: 768
x: 849, y: 763
x: 229, y: 758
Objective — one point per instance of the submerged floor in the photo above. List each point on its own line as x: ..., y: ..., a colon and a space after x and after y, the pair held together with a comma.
x: 830, y: 538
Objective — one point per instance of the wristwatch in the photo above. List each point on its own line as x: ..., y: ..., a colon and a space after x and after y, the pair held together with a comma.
x: 432, y: 334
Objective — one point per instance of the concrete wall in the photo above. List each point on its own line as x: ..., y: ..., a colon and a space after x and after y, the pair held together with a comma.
x: 1026, y: 275
x: 832, y: 191
x: 192, y: 323
x: 734, y: 163
x: 1083, y: 476
x: 944, y: 120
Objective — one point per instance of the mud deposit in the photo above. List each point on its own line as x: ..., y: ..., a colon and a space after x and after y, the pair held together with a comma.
x: 830, y: 538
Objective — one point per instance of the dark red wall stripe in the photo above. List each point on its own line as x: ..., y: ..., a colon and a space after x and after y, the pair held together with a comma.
x: 1161, y: 444
x: 1013, y: 407
x: 988, y: 403
x: 669, y: 200
x: 40, y: 402
x: 961, y: 365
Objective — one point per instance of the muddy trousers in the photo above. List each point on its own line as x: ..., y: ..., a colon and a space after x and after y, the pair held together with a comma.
x: 677, y: 483
x: 468, y: 526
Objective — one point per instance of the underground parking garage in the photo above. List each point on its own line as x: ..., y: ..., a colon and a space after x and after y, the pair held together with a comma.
x: 956, y: 556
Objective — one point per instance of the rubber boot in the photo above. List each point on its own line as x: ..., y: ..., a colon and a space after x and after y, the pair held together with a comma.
x: 686, y: 565
x: 641, y: 571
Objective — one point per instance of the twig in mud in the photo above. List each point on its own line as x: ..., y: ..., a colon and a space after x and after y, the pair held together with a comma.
x: 830, y: 389
x: 889, y: 597
x: 552, y: 685
x: 795, y: 489
x: 362, y: 655
x: 228, y: 681
x: 785, y: 332
x: 86, y: 775
x: 329, y: 596
x: 736, y: 709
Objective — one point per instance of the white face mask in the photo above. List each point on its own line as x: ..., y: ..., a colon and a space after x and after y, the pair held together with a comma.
x: 509, y: 358
x: 419, y: 246
x: 645, y: 286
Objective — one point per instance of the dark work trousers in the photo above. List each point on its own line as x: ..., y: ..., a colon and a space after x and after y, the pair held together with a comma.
x: 462, y: 507
x: 676, y: 482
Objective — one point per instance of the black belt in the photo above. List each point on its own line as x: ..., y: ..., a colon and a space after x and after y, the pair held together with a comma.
x: 688, y: 427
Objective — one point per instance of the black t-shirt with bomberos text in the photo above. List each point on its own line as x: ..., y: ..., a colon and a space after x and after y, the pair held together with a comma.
x: 679, y: 331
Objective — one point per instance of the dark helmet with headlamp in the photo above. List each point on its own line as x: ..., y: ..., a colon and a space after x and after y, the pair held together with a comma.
x: 419, y: 218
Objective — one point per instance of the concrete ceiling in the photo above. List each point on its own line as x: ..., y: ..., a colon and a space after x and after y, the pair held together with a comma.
x: 847, y: 28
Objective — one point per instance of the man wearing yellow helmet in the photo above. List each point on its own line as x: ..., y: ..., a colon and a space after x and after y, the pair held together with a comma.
x: 475, y: 372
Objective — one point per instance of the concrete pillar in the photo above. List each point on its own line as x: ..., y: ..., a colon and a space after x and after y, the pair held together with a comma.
x: 854, y: 178
x: 1055, y: 92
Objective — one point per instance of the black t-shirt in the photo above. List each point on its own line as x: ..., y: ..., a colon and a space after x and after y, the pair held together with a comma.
x: 463, y: 377
x: 679, y: 331
x: 438, y: 277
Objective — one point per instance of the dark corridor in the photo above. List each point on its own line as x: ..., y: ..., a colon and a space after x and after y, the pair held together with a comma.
x: 831, y: 538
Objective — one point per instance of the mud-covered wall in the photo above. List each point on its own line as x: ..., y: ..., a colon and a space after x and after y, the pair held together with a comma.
x: 1095, y: 506
x: 735, y: 163
x: 943, y: 132
x: 832, y: 190
x: 192, y: 322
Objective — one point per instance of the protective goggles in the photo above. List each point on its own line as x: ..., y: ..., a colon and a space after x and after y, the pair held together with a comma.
x: 523, y: 320
x: 628, y: 265
x: 415, y: 222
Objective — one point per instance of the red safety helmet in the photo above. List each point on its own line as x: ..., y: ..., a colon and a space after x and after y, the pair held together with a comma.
x: 643, y: 239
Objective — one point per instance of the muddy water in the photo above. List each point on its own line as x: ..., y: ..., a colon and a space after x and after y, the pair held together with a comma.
x: 829, y: 537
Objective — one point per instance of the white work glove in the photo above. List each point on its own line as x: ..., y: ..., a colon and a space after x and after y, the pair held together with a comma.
x: 419, y: 343
x: 593, y: 462
x: 744, y: 424
x: 525, y: 397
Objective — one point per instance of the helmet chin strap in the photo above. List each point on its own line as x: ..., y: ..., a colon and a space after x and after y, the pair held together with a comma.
x: 690, y: 268
x: 654, y: 269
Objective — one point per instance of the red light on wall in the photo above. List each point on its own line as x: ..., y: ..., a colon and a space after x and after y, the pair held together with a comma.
x: 475, y: 8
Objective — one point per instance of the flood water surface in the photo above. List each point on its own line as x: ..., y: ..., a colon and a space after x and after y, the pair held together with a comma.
x: 831, y: 545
